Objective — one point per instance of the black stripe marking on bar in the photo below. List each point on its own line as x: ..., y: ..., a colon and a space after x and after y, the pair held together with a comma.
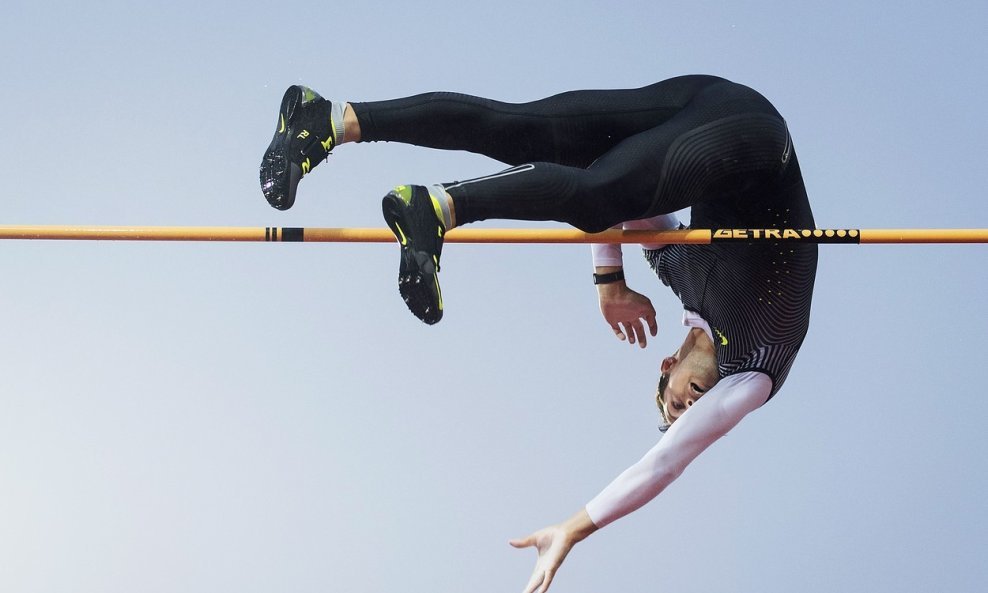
x: 295, y: 234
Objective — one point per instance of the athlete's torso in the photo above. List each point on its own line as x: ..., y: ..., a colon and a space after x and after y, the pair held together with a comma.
x: 755, y: 297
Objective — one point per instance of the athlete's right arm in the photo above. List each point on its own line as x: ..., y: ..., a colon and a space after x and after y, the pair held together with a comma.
x: 623, y: 308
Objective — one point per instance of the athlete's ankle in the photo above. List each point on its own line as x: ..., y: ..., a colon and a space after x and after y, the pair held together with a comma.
x: 452, y: 211
x: 351, y: 125
x: 445, y: 205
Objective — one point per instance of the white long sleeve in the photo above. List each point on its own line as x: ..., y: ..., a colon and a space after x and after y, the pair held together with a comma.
x: 710, y: 418
x: 609, y: 254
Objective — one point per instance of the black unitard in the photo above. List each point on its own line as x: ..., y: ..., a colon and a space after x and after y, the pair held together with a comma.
x: 595, y: 159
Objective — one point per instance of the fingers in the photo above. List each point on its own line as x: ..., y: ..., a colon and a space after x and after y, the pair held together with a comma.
x: 649, y: 316
x: 551, y: 555
x: 635, y: 331
x: 632, y: 329
x: 535, y: 581
x: 629, y: 329
x: 547, y: 580
x: 640, y: 333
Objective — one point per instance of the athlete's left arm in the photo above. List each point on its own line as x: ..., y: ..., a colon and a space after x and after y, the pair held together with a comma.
x: 710, y: 418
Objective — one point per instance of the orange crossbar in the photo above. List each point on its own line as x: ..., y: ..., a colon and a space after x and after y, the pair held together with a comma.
x: 485, y: 235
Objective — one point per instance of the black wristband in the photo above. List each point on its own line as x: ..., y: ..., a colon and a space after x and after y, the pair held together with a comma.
x: 608, y: 278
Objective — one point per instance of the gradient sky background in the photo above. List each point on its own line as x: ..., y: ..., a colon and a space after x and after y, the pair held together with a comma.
x: 256, y: 417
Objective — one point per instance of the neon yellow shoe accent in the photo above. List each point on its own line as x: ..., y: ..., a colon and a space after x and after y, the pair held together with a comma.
x: 282, y: 130
x: 440, y: 293
x: 308, y: 94
x: 402, y: 239
x: 404, y: 192
x: 438, y: 208
x: 328, y: 144
x: 306, y: 166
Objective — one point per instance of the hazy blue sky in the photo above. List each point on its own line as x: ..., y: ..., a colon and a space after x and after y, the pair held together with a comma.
x: 256, y: 417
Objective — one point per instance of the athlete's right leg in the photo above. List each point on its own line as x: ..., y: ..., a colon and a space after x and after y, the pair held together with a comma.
x: 308, y: 128
x: 573, y: 128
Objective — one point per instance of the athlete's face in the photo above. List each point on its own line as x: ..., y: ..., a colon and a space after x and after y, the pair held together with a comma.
x: 689, y: 378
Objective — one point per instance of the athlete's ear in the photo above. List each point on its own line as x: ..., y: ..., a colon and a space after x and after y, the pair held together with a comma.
x: 667, y: 364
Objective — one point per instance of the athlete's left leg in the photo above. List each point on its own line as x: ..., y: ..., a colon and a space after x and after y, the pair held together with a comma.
x: 726, y: 139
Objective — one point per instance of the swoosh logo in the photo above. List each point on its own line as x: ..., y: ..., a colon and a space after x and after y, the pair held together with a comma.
x: 282, y: 129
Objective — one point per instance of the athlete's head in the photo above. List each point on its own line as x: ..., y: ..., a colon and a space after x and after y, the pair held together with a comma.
x: 685, y: 376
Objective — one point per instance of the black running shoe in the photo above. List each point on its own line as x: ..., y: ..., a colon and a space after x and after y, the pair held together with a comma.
x: 309, y: 127
x: 416, y: 220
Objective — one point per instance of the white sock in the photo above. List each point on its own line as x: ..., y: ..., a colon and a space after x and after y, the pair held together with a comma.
x: 438, y: 193
x: 336, y: 120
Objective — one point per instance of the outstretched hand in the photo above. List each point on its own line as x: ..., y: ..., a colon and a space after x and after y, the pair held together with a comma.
x: 552, y: 544
x: 625, y: 310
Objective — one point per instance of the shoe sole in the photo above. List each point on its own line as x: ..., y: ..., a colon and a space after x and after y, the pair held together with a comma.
x: 417, y: 277
x: 276, y: 157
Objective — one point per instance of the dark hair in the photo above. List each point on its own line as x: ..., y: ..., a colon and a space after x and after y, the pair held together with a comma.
x: 660, y: 401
